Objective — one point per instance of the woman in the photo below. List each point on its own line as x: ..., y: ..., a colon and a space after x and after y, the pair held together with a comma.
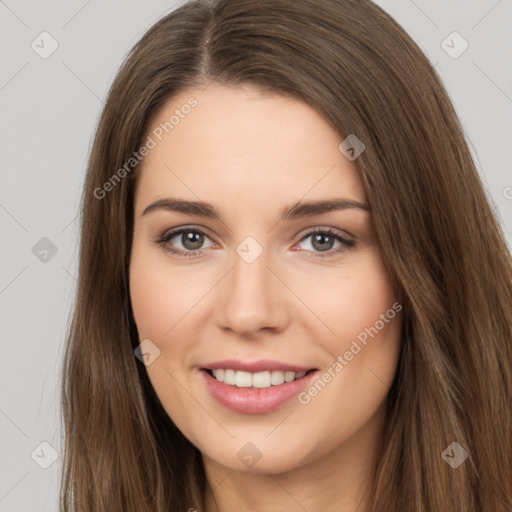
x: 293, y: 293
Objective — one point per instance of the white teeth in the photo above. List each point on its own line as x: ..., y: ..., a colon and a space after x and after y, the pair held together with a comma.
x: 276, y: 378
x: 243, y: 379
x: 261, y: 380
x: 229, y: 377
x: 289, y: 376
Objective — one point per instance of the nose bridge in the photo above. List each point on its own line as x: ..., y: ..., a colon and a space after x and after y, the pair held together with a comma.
x: 251, y: 300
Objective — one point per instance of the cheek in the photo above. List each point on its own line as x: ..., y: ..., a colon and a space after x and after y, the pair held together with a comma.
x: 362, y: 353
x: 365, y: 318
x: 365, y: 304
x: 160, y: 298
x: 165, y: 302
x: 149, y: 300
x: 160, y: 301
x: 158, y: 304
x: 351, y: 304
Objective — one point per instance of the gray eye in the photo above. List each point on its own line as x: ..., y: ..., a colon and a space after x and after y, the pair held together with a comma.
x: 320, y: 242
x: 188, y: 239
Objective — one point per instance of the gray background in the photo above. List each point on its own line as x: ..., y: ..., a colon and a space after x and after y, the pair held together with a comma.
x: 50, y: 108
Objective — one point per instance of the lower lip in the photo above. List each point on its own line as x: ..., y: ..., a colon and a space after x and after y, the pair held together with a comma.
x: 255, y: 401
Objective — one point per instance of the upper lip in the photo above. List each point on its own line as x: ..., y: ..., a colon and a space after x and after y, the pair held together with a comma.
x: 256, y: 366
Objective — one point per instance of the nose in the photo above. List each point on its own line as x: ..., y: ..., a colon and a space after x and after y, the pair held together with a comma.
x: 251, y: 298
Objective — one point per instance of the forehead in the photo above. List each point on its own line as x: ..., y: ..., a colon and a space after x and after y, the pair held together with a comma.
x: 226, y: 144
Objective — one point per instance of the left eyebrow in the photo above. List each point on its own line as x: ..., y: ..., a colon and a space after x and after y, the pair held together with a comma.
x: 310, y: 208
x: 293, y: 212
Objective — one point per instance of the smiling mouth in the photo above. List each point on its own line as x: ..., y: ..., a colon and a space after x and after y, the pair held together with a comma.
x: 257, y: 380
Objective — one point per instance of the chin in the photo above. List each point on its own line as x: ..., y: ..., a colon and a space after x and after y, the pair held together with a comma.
x: 260, y: 456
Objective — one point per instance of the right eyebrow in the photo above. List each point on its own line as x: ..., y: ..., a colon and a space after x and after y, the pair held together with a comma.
x: 199, y: 208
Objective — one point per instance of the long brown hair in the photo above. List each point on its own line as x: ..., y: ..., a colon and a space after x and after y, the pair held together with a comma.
x: 436, y: 231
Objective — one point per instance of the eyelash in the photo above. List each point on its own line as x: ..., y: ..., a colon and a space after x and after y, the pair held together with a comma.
x: 166, y: 237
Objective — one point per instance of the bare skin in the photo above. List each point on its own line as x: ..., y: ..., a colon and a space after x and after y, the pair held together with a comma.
x: 301, y: 301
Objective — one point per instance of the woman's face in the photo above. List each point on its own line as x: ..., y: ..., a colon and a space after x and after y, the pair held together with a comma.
x: 261, y: 287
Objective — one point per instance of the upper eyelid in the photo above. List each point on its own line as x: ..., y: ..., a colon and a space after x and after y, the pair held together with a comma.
x: 171, y: 233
